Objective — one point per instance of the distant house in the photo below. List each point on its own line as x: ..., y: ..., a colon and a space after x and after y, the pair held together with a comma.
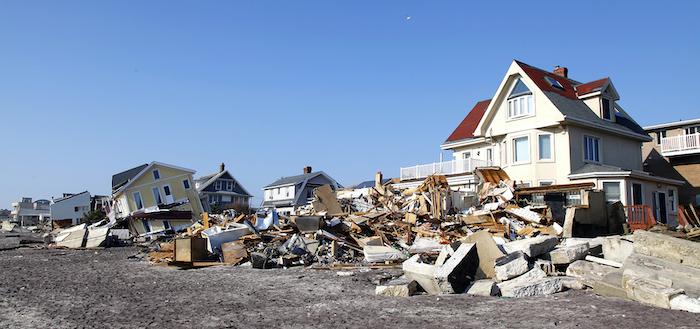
x: 69, y: 209
x: 674, y: 152
x: 154, y: 197
x: 287, y: 194
x: 223, y: 189
x: 544, y: 128
x: 29, y: 213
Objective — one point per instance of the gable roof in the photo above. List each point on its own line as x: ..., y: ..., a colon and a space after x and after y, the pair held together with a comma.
x: 567, y: 101
x: 293, y: 180
x: 70, y: 196
x: 125, y: 178
x: 590, y: 87
x: 467, y: 126
x: 211, y: 178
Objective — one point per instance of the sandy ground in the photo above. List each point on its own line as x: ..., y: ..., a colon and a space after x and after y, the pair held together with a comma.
x: 106, y: 289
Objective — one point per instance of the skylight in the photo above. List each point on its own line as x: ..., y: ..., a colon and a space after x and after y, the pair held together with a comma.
x: 553, y: 83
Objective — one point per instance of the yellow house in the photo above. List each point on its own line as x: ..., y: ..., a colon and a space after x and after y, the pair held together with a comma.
x: 155, y: 197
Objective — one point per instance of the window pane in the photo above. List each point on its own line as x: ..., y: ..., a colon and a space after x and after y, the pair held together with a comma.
x: 612, y: 191
x: 531, y: 104
x: 545, y: 147
x: 522, y: 150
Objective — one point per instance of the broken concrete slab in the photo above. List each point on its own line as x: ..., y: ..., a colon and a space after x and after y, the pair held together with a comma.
x: 97, y: 237
x: 617, y: 248
x: 453, y: 276
x: 530, y: 276
x: 399, y: 287
x: 684, y: 303
x: 666, y: 247
x: 667, y: 272
x: 651, y: 292
x: 570, y: 282
x: 567, y: 254
x: 486, y: 287
x: 588, y: 272
x: 487, y: 250
x: 532, y: 247
x: 610, y: 285
x: 510, y: 266
x: 545, y: 265
x: 544, y: 286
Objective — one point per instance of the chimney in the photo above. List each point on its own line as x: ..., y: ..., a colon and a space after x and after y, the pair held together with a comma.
x: 307, y: 170
x: 561, y: 71
x: 378, y: 180
x: 221, y: 168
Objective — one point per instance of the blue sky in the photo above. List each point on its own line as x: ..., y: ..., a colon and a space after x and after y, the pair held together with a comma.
x: 92, y: 88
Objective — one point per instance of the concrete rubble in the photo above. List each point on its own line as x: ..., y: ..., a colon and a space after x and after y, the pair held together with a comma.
x: 510, y: 243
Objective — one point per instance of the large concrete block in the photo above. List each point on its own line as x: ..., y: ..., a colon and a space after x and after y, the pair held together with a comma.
x: 487, y: 250
x: 651, y: 292
x: 399, y: 287
x: 617, y: 248
x: 543, y: 286
x: 510, y: 266
x: 453, y: 276
x: 610, y: 286
x: 666, y: 247
x: 567, y: 254
x: 530, y: 276
x: 663, y: 271
x: 589, y: 272
x: 486, y: 287
x: 532, y: 246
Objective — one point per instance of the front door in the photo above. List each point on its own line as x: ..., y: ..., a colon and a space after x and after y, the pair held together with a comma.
x: 660, y: 207
x: 168, y: 194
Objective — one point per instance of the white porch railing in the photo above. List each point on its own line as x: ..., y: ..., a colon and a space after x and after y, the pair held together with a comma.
x: 680, y: 143
x: 442, y: 168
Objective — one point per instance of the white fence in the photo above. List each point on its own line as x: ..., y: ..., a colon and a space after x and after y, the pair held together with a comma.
x: 442, y: 168
x: 680, y: 143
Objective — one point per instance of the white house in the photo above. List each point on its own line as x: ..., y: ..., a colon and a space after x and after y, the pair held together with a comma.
x: 287, y: 194
x: 544, y: 128
x: 69, y: 209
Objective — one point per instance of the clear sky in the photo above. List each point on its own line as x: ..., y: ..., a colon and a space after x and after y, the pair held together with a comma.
x: 92, y: 88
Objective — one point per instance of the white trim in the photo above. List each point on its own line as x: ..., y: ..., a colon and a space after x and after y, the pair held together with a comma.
x: 631, y: 174
x: 133, y: 195
x: 147, y: 184
x: 673, y: 124
x: 599, y: 148
x: 674, y: 204
x: 621, y: 187
x: 148, y: 167
x: 645, y: 138
x: 551, y: 181
x: 551, y: 147
x: 462, y: 142
x: 514, y: 150
x: 165, y: 195
x: 153, y: 174
x: 184, y: 187
x: 160, y: 196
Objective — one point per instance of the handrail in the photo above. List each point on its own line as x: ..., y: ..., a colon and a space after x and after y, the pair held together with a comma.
x: 680, y: 143
x: 459, y: 166
x: 639, y: 217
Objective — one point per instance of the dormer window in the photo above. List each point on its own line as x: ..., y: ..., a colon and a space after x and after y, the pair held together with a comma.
x: 520, y: 101
x: 606, y: 111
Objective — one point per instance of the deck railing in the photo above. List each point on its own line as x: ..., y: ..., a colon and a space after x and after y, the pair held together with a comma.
x: 680, y: 143
x: 442, y: 168
x: 639, y: 217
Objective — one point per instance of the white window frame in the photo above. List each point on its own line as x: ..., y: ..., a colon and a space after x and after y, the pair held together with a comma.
x: 186, y: 184
x: 525, y: 183
x: 466, y: 155
x: 139, y: 198
x: 489, y: 156
x: 229, y: 185
x: 156, y: 174
x: 517, y: 113
x: 157, y: 196
x: 599, y: 153
x: 671, y: 197
x: 620, y: 186
x: 217, y: 186
x: 661, y: 134
x: 551, y: 148
x: 514, y: 150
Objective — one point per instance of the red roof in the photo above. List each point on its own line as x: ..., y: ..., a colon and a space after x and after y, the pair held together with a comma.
x: 538, y: 75
x: 587, y: 88
x: 466, y: 128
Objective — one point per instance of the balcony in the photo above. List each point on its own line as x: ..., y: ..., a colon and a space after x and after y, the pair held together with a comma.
x: 460, y: 166
x: 680, y: 145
